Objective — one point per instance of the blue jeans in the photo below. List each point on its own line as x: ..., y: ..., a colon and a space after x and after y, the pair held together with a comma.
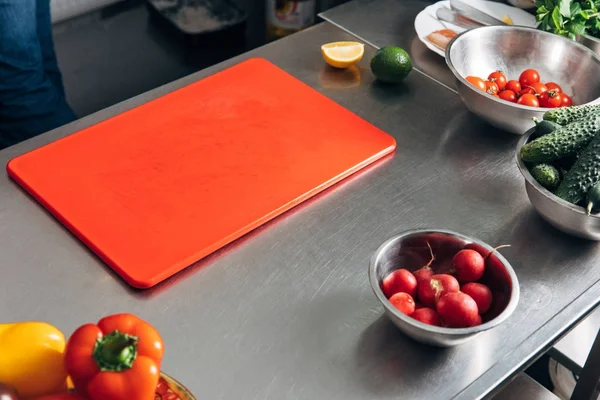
x: 32, y: 97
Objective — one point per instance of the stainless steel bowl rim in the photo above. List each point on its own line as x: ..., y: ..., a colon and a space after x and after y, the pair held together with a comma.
x: 529, y: 178
x: 510, y: 307
x: 595, y: 39
x: 510, y: 27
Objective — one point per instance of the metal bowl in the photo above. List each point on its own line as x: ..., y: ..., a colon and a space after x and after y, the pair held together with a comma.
x: 176, y: 388
x: 409, y: 250
x: 512, y: 49
x: 590, y: 42
x: 559, y: 213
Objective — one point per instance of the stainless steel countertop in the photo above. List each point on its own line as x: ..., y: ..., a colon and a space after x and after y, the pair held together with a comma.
x: 391, y: 23
x: 287, y: 312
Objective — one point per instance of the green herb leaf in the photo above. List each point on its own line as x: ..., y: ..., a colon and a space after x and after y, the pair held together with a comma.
x: 557, y: 18
x: 575, y: 9
x: 549, y: 4
x: 542, y: 10
x: 575, y: 28
x: 565, y: 8
x: 584, y: 14
x: 546, y: 23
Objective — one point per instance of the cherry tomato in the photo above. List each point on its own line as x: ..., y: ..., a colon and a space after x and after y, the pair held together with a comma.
x: 431, y: 290
x: 499, y: 78
x: 539, y: 88
x: 403, y: 302
x: 513, y: 85
x: 551, y: 99
x: 491, y: 87
x: 566, y: 100
x: 480, y: 293
x: 427, y: 316
x: 552, y: 86
x: 468, y: 265
x: 529, y: 77
x: 528, y: 100
x: 477, y: 82
x: 400, y: 280
x: 527, y: 90
x: 458, y: 310
x: 508, y: 95
x: 162, y: 387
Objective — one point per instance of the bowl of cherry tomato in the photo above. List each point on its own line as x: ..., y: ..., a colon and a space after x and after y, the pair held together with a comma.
x: 170, y: 389
x: 442, y: 288
x: 509, y: 75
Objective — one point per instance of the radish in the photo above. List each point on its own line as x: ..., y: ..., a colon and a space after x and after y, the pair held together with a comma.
x: 423, y: 274
x: 468, y: 265
x: 480, y: 293
x: 458, y: 310
x: 403, y: 302
x: 429, y: 291
x: 427, y: 316
x: 400, y: 280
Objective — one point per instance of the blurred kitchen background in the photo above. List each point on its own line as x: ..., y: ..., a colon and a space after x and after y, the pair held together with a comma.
x: 111, y: 50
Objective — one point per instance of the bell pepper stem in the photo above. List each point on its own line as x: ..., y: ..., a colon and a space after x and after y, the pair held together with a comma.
x: 115, y: 352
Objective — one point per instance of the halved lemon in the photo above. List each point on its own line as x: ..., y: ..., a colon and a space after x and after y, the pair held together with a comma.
x: 342, y: 54
x: 506, y: 19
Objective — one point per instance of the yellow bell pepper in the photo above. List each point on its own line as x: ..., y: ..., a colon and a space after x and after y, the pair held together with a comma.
x: 32, y: 358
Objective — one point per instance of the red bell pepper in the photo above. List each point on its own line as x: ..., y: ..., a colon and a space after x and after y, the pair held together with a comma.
x: 117, y: 359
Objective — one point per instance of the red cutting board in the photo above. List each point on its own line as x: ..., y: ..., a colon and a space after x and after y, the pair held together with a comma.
x: 156, y: 188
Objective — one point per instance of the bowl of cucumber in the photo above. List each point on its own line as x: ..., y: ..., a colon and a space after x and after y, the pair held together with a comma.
x: 560, y: 161
x: 513, y: 50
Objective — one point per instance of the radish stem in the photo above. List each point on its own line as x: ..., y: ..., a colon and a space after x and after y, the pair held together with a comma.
x: 496, y: 248
x: 428, y: 265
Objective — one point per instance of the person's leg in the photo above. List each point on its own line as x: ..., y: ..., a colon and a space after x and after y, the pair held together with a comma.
x: 44, y: 33
x: 29, y: 102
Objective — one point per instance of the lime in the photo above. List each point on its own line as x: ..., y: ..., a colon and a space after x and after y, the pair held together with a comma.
x: 391, y: 64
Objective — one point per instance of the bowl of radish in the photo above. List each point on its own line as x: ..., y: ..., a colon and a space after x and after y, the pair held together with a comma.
x: 442, y: 288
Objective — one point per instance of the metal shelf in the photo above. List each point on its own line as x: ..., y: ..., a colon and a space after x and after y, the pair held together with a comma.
x: 572, y: 350
x: 524, y: 387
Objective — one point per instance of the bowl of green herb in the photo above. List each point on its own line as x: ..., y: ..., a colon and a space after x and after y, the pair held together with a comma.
x: 576, y: 19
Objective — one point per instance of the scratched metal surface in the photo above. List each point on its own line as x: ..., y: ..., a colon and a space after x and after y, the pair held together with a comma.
x: 287, y: 312
x: 391, y: 23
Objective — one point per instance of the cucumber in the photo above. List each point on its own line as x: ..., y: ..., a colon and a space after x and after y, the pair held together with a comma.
x: 544, y: 127
x: 568, y: 162
x: 593, y: 196
x: 584, y: 174
x: 565, y: 115
x: 546, y: 175
x: 563, y: 142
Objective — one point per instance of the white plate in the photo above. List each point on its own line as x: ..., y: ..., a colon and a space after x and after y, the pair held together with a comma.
x: 426, y: 21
